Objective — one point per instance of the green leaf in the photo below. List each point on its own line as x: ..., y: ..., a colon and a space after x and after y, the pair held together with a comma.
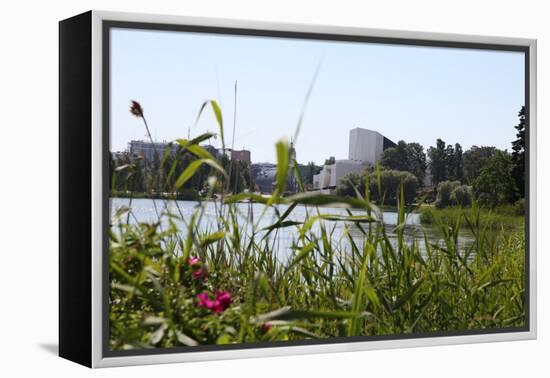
x: 319, y: 199
x: 301, y: 331
x: 311, y: 314
x: 306, y: 99
x: 186, y: 340
x: 158, y: 334
x: 195, y: 149
x: 192, y: 168
x: 217, y: 113
x: 153, y: 320
x: 350, y: 218
x: 214, y: 164
x: 247, y: 196
x: 275, y: 314
x: 298, y: 176
x: 281, y: 225
x: 405, y: 297
x: 188, y: 173
x: 199, y: 152
x: 358, y: 303
x: 286, y: 313
x: 224, y: 339
x: 304, y: 251
x: 123, y: 167
x: 280, y: 222
x: 283, y: 156
x: 212, y: 238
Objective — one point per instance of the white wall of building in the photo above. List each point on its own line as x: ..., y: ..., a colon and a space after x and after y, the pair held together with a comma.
x: 342, y: 168
x: 330, y: 175
x: 365, y: 148
x: 365, y: 145
x: 323, y: 179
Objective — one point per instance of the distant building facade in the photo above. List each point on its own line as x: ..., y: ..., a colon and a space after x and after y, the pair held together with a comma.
x: 365, y: 149
x: 147, y: 150
x: 264, y: 175
x: 240, y: 155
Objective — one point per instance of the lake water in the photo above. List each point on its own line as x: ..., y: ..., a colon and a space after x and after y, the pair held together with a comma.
x: 146, y: 210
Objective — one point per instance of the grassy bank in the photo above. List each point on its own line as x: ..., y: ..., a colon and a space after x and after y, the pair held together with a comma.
x: 500, y: 217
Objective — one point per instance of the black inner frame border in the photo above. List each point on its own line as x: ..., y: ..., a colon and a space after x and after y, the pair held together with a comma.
x: 107, y: 25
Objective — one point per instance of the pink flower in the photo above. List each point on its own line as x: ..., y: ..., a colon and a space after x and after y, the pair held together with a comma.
x: 199, y: 273
x: 266, y: 327
x: 223, y: 299
x: 205, y: 301
x: 218, y: 305
x: 196, y: 265
x: 194, y: 260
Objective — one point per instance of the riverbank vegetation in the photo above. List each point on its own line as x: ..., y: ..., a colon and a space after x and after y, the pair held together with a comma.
x: 229, y: 283
x: 447, y: 176
x: 509, y: 217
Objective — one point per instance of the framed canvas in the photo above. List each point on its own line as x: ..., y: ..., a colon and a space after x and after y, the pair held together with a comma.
x: 235, y: 189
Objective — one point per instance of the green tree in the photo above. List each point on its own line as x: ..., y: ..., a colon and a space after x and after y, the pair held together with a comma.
x: 518, y: 154
x: 438, y: 162
x: 390, y: 185
x: 444, y: 192
x: 127, y: 173
x: 495, y: 184
x: 239, y: 175
x: 455, y: 163
x: 311, y: 170
x: 347, y: 184
x: 474, y: 159
x: 409, y: 157
x: 462, y: 196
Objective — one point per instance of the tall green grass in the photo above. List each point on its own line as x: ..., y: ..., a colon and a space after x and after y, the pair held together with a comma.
x: 229, y: 283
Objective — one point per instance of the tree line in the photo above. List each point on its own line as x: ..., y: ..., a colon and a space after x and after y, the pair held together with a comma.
x: 492, y: 176
x: 136, y: 174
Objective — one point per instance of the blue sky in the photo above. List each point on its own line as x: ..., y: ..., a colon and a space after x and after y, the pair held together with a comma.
x: 416, y: 94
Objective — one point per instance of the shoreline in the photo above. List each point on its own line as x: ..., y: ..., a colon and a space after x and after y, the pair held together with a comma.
x: 142, y: 195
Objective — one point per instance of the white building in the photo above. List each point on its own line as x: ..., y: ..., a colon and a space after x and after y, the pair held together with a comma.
x: 331, y: 174
x: 367, y: 145
x: 365, y: 148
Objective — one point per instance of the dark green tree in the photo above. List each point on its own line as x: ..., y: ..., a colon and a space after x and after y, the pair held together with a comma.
x: 350, y: 181
x: 518, y: 154
x: 474, y: 159
x: 453, y: 162
x: 128, y: 173
x: 495, y: 184
x: 438, y: 162
x: 409, y: 157
x: 456, y: 168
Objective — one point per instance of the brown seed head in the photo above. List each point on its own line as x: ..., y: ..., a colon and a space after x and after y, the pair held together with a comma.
x: 136, y: 109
